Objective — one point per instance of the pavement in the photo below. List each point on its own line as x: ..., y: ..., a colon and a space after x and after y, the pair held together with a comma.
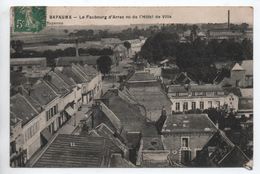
x: 73, y: 123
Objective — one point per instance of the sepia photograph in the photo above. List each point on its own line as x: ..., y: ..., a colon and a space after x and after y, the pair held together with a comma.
x: 131, y: 87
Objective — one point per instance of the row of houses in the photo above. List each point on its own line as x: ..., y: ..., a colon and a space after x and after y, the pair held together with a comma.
x: 121, y: 128
x: 38, y: 110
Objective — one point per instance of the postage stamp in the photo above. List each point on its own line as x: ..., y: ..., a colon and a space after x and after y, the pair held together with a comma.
x: 29, y: 19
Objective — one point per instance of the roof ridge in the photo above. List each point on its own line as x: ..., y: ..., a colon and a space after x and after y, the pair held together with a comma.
x: 77, y: 71
x: 50, y: 88
x: 30, y: 104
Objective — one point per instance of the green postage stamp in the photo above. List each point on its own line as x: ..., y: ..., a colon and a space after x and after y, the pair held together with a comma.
x: 29, y: 19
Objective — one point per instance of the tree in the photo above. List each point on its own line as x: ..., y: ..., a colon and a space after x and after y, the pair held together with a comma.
x: 104, y: 64
x: 128, y: 46
x: 17, y: 45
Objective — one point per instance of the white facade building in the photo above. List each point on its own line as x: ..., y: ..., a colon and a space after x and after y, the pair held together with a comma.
x: 201, y: 97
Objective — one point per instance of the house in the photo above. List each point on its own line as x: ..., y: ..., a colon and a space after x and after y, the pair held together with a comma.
x: 23, y: 64
x: 67, y: 61
x: 120, y: 52
x: 136, y: 45
x: 88, y: 79
x: 247, y: 65
x: 241, y: 75
x: 224, y: 34
x: 120, y: 116
x: 219, y: 151
x: 25, y: 130
x: 78, y: 151
x: 182, y: 79
x: 245, y: 105
x: 192, y: 97
x: 147, y: 91
x: 185, y: 135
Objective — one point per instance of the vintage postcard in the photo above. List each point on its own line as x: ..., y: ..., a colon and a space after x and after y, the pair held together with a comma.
x: 131, y: 87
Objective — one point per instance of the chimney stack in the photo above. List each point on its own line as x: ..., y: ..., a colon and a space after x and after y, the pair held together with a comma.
x: 228, y: 19
x: 77, y: 47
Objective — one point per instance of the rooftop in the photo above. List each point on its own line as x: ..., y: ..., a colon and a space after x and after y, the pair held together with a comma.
x: 118, y: 161
x: 32, y: 60
x: 248, y: 66
x: 67, y: 61
x: 22, y: 109
x: 247, y: 92
x: 42, y: 92
x: 88, y: 59
x: 237, y: 67
x: 195, y: 88
x: 57, y: 83
x: 141, y: 77
x: 180, y: 123
x: 129, y: 114
x: 152, y: 143
x: 77, y: 151
x: 152, y: 98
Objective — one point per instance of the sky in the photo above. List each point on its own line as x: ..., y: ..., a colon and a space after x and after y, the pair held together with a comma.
x: 238, y: 14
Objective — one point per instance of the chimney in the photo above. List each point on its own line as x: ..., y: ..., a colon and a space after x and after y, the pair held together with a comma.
x: 228, y: 19
x: 77, y: 47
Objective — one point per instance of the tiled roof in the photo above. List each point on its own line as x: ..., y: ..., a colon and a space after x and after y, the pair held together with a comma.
x: 57, y: 83
x: 14, y: 119
x: 77, y: 151
x: 195, y: 88
x: 67, y: 71
x: 104, y: 131
x: 223, y: 153
x: 188, y: 123
x: 151, y: 97
x: 183, y: 78
x: 42, y: 93
x: 117, y: 161
x: 22, y: 109
x: 129, y: 114
x: 248, y: 66
x: 66, y: 79
x: 142, y: 76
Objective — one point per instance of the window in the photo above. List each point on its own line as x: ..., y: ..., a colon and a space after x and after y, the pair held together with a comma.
x: 201, y: 105
x: 177, y: 94
x: 185, y: 106
x: 184, y: 142
x: 209, y: 104
x: 193, y: 105
x: 177, y: 106
x: 215, y: 93
x: 51, y: 112
x: 31, y: 131
x: 218, y: 104
x: 193, y: 93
